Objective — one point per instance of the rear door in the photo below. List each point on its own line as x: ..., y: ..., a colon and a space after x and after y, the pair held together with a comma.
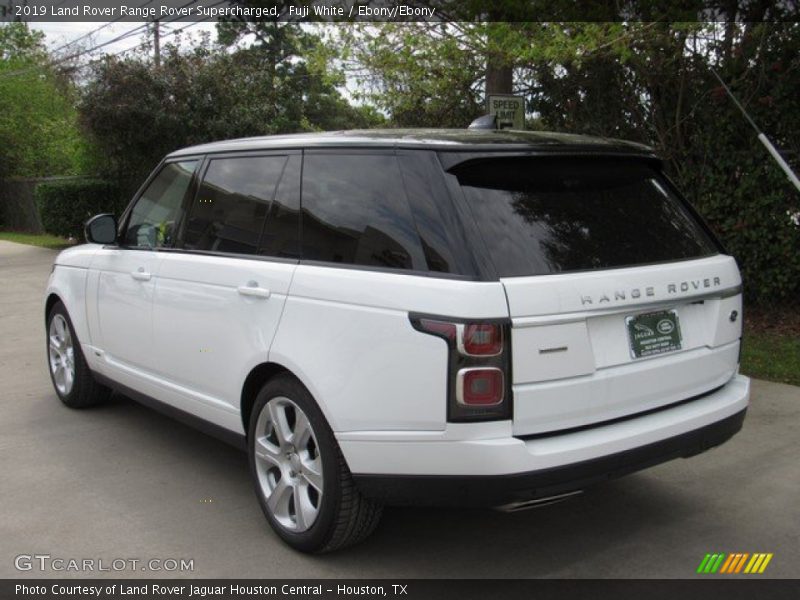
x: 620, y: 302
x: 221, y: 292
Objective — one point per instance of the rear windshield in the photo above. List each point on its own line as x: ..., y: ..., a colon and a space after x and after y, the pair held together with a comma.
x: 544, y: 215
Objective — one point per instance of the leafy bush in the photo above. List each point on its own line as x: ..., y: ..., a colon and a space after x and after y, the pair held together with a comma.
x: 134, y: 114
x: 64, y: 206
x: 748, y: 202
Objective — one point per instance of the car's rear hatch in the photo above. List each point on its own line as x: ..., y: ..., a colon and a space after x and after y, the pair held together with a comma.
x: 620, y: 301
x: 574, y: 363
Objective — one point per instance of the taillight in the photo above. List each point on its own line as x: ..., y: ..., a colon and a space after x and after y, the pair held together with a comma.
x: 479, y: 363
x: 481, y: 339
x: 479, y: 387
x: 442, y: 328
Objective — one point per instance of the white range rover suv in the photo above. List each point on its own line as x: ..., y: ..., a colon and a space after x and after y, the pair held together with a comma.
x: 417, y: 317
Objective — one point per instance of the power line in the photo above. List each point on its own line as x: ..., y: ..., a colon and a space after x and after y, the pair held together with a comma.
x: 60, y: 61
x: 144, y: 44
x: 156, y: 21
x: 124, y: 35
x: 102, y: 45
x: 93, y: 31
x: 173, y: 32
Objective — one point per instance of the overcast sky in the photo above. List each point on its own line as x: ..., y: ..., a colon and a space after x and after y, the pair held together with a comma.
x: 60, y: 33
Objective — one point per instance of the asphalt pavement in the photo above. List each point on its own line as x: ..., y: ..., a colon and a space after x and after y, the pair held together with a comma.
x: 122, y: 482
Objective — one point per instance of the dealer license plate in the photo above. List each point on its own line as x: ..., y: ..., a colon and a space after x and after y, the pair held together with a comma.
x: 653, y: 333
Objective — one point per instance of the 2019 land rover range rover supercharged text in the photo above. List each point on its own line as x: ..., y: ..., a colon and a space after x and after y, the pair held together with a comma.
x: 478, y: 318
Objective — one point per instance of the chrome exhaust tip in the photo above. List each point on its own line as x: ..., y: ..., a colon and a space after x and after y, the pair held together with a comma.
x: 536, y: 502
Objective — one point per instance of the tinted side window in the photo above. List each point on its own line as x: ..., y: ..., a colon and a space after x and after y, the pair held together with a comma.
x: 281, y: 235
x: 231, y: 206
x: 355, y: 212
x: 439, y: 227
x: 153, y: 218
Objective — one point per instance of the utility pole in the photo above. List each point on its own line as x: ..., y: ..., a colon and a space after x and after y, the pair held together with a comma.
x: 9, y: 12
x: 157, y: 43
x: 499, y: 73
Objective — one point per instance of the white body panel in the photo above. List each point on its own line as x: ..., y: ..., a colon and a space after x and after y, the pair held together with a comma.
x: 346, y: 334
x: 501, y: 454
x: 572, y: 358
x: 123, y: 290
x: 208, y: 335
x: 69, y: 282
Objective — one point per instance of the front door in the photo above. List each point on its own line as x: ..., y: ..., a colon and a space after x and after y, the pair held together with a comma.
x: 126, y: 275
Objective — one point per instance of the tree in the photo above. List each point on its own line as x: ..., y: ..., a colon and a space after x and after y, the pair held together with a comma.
x: 644, y: 80
x: 38, y: 130
x: 136, y: 114
x: 422, y: 75
x: 297, y: 68
x: 434, y: 74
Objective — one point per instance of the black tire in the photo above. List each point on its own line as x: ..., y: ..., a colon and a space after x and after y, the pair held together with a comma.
x: 85, y: 391
x: 344, y: 516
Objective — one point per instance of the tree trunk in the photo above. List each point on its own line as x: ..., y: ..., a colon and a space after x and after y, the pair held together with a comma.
x: 499, y: 78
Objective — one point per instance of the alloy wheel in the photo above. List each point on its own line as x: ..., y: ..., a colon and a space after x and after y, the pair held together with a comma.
x: 62, y: 354
x: 288, y: 464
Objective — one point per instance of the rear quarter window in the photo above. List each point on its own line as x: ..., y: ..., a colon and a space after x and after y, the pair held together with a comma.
x: 355, y: 212
x: 543, y: 215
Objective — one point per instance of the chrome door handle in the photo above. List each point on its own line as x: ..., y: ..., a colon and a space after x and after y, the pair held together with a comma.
x: 252, y: 289
x: 140, y: 274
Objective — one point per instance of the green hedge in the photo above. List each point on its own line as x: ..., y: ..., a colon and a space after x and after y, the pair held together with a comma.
x: 64, y: 206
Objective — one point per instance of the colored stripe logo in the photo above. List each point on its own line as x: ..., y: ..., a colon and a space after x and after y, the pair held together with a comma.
x: 735, y: 563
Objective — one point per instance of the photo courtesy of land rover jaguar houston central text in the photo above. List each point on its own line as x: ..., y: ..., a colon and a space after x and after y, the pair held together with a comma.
x: 409, y: 317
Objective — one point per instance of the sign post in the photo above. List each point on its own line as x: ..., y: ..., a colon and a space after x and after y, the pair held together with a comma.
x: 508, y: 110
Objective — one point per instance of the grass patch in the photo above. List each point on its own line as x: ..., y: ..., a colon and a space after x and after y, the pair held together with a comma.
x: 43, y: 240
x: 771, y: 348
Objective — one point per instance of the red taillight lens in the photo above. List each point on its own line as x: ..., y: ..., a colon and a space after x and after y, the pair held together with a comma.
x: 442, y: 328
x: 479, y: 387
x: 482, y: 339
x: 478, y: 366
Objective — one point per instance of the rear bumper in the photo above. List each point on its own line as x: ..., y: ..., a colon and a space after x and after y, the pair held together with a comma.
x: 486, y: 490
x: 495, y: 471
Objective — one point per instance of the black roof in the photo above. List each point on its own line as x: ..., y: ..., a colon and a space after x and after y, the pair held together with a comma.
x: 460, y: 140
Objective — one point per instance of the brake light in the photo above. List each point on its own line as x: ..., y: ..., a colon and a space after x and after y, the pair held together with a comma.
x: 479, y: 387
x: 472, y: 339
x: 482, y: 339
x: 478, y: 366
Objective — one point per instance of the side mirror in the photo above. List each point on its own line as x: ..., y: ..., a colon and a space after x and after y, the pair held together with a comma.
x: 101, y: 229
